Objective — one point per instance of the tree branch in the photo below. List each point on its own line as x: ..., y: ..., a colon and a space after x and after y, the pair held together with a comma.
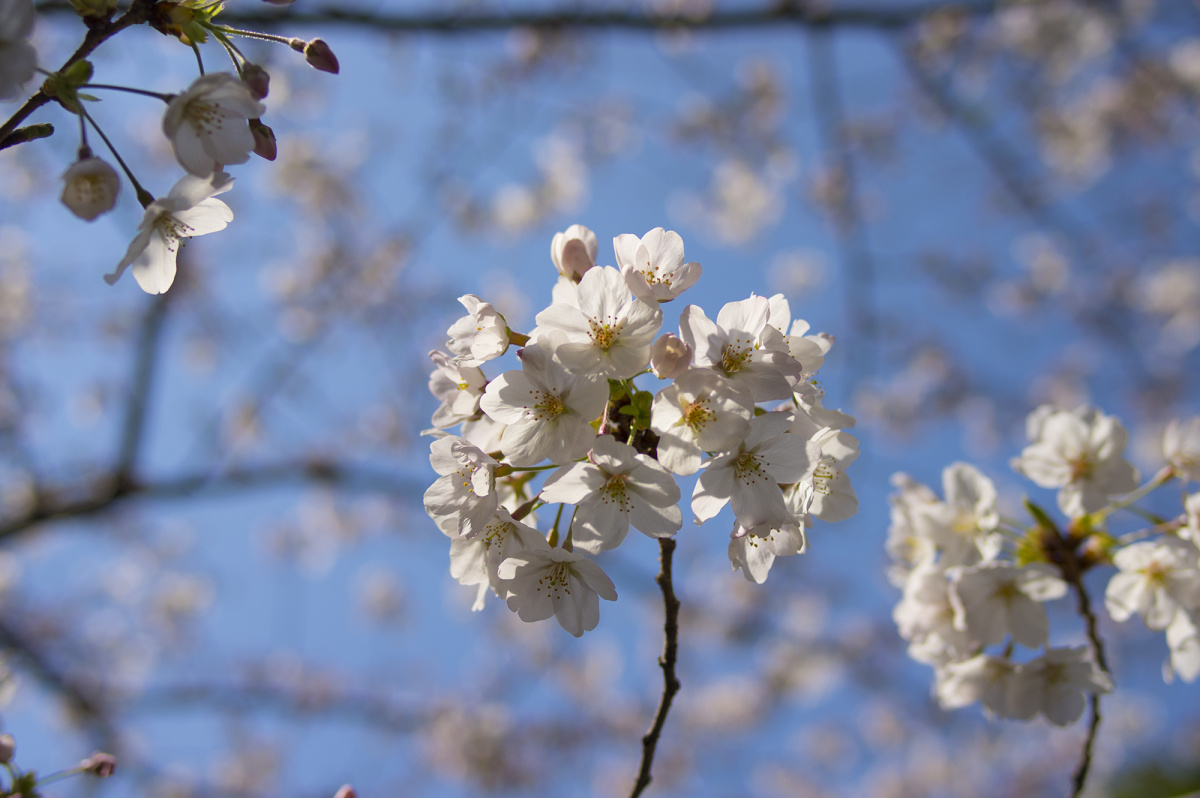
x: 51, y: 505
x: 99, y: 31
x: 666, y: 547
x: 866, y: 16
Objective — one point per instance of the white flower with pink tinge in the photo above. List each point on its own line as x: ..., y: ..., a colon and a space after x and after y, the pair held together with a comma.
x: 742, y: 347
x: 615, y: 488
x: 608, y: 332
x: 749, y: 477
x: 208, y: 124
x: 557, y: 582
x: 653, y: 265
x: 189, y: 210
x: 1080, y: 453
x: 478, y: 337
x: 697, y: 413
x: 466, y: 489
x: 1156, y: 580
x: 1056, y: 684
x: 994, y: 600
x: 548, y: 410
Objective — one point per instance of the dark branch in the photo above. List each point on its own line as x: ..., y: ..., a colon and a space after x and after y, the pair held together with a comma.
x: 29, y: 133
x: 98, y: 33
x: 666, y: 548
x: 51, y: 507
x: 866, y: 15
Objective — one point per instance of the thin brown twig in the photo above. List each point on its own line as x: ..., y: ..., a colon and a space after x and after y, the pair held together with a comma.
x: 99, y: 31
x: 1065, y: 556
x: 666, y: 547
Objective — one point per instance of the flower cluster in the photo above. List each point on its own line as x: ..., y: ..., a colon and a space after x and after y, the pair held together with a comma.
x: 740, y: 407
x: 975, y: 583
x: 214, y: 123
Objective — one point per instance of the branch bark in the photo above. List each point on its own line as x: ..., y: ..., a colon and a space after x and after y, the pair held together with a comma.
x: 666, y: 547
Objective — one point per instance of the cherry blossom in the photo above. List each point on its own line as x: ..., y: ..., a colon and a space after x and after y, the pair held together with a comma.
x: 1079, y: 452
x: 548, y: 409
x: 478, y: 337
x: 653, y: 265
x: 458, y: 387
x: 90, y: 188
x: 994, y: 600
x: 574, y: 251
x: 699, y: 412
x: 557, y: 582
x: 465, y: 490
x: 1156, y: 580
x: 1181, y: 447
x: 188, y: 210
x: 981, y: 678
x: 743, y: 347
x: 749, y: 477
x: 1056, y: 685
x: 208, y: 124
x: 614, y: 489
x: 608, y: 332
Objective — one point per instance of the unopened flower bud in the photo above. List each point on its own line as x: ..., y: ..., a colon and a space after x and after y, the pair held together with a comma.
x: 669, y: 357
x: 100, y: 765
x: 346, y: 792
x: 264, y: 140
x: 258, y: 79
x: 574, y: 251
x: 8, y: 747
x: 90, y: 188
x: 318, y: 55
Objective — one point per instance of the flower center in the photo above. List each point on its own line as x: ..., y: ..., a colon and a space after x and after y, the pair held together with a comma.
x: 615, y: 491
x: 203, y: 117
x: 550, y: 407
x: 735, y: 356
x: 604, y: 335
x: 748, y: 468
x: 697, y: 414
x: 555, y: 581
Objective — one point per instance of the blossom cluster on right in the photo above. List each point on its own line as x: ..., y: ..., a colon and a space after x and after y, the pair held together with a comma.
x: 740, y: 406
x: 974, y: 583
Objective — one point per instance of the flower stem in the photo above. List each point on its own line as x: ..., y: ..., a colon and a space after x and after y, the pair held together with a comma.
x: 666, y: 547
x: 144, y: 196
x: 158, y: 95
x: 1157, y: 481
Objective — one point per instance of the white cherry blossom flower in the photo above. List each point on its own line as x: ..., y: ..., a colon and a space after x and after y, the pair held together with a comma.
x: 1056, y: 684
x: 90, y: 188
x: 478, y: 337
x: 963, y: 527
x: 476, y: 560
x: 749, y: 477
x: 753, y: 551
x: 653, y: 265
x: 697, y: 413
x: 742, y: 347
x: 615, y: 488
x: 548, y: 409
x: 556, y: 582
x: 905, y: 546
x: 1155, y: 579
x: 1079, y: 452
x: 981, y: 678
x: 574, y: 251
x: 608, y: 331
x: 994, y: 600
x: 1183, y: 638
x: 925, y: 617
x: 208, y: 124
x: 189, y: 210
x: 834, y: 498
x: 465, y: 489
x: 1181, y: 446
x: 458, y: 387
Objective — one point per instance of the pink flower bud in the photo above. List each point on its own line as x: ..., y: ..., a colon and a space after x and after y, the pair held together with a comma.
x: 318, y: 55
x: 8, y: 747
x: 90, y: 188
x: 264, y: 140
x: 346, y: 792
x: 100, y: 765
x: 574, y: 251
x: 669, y: 357
x: 258, y: 79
